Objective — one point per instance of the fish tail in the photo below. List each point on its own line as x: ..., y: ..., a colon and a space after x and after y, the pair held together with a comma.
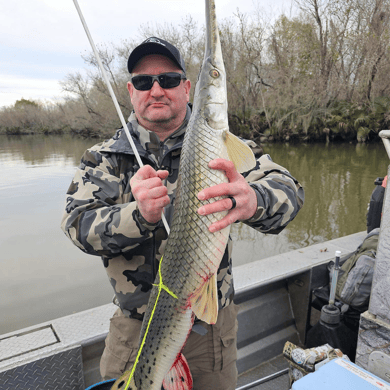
x: 179, y: 376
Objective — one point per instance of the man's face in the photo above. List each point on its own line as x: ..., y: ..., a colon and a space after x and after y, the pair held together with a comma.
x: 158, y: 107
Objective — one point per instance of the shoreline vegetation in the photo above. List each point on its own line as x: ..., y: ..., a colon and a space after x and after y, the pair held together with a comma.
x: 320, y: 75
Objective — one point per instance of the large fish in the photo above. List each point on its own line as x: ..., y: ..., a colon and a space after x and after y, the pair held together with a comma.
x: 186, y: 284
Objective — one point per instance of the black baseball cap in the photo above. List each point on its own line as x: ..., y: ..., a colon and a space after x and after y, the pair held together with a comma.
x: 155, y: 45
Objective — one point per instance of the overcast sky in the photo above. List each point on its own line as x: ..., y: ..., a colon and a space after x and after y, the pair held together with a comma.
x: 42, y: 40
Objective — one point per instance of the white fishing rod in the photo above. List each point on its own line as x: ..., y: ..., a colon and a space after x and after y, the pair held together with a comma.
x: 113, y: 97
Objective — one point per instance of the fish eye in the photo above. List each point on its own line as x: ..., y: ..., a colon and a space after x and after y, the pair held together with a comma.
x: 214, y: 73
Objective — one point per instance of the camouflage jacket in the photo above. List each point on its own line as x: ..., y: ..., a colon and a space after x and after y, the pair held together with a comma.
x: 102, y: 218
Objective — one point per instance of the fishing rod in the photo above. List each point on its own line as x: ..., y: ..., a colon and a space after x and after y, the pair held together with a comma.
x: 113, y: 97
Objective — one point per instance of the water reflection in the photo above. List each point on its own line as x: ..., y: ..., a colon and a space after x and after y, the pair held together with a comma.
x: 338, y: 181
x: 38, y: 150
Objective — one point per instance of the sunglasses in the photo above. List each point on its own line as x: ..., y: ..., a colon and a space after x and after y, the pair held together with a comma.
x: 144, y: 82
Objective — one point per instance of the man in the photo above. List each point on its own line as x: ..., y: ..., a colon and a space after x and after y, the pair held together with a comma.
x: 114, y: 210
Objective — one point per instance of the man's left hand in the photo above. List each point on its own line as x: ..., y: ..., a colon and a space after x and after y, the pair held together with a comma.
x: 237, y: 187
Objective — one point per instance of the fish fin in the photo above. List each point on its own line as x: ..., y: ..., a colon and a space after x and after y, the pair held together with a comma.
x: 121, y: 382
x: 239, y: 153
x: 204, y: 302
x: 179, y: 376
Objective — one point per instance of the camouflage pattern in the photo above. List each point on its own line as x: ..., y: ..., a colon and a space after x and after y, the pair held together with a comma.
x: 102, y: 218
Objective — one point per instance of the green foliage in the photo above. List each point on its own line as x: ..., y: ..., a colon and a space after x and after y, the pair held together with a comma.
x: 23, y: 103
x: 340, y: 121
x: 297, y: 42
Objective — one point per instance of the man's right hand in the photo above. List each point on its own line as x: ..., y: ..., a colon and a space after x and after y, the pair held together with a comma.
x: 150, y: 193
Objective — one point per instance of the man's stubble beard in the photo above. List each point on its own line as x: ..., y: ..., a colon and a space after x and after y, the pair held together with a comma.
x: 161, y: 121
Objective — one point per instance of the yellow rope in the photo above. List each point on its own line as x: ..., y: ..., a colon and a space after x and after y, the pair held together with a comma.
x: 161, y: 286
x: 164, y: 287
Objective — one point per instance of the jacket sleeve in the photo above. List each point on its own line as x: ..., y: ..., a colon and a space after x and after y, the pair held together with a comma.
x: 99, y: 216
x: 279, y: 196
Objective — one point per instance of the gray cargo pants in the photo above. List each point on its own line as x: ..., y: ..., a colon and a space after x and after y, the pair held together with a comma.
x: 212, y: 357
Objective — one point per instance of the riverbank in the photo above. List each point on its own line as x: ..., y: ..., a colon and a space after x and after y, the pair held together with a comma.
x: 341, y: 121
x: 35, y: 130
x: 268, y: 136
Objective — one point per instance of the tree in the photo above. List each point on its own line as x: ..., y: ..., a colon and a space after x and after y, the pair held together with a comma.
x: 23, y: 103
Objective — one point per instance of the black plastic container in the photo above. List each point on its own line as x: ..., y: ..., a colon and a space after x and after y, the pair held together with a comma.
x: 331, y: 330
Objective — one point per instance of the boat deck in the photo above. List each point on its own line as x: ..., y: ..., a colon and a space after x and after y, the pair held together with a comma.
x: 272, y: 375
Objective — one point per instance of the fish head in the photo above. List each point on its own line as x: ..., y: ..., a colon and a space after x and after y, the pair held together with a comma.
x: 211, y: 91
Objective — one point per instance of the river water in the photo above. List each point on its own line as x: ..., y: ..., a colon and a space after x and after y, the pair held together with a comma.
x: 44, y: 276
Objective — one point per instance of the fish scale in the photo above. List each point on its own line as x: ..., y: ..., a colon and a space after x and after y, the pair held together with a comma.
x: 187, y: 224
x: 160, y: 349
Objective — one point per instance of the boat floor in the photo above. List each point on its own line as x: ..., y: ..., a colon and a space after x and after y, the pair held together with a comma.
x: 264, y: 370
